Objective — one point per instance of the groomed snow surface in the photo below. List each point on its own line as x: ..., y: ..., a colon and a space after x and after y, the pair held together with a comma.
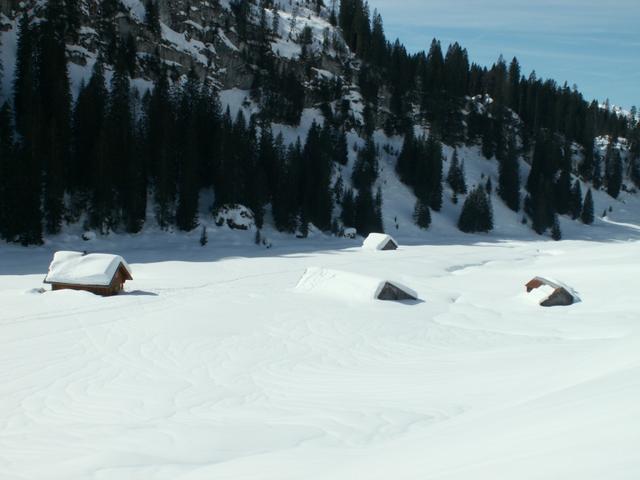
x: 213, y: 365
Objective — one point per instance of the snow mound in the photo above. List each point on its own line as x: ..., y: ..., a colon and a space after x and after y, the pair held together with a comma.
x: 351, y: 286
x: 379, y: 241
x: 95, y: 269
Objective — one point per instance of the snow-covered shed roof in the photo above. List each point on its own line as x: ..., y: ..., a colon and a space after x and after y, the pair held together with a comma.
x: 351, y: 286
x: 77, y: 268
x: 379, y: 241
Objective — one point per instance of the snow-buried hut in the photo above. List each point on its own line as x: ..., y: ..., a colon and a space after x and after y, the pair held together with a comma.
x: 379, y: 241
x: 352, y: 286
x: 552, y: 293
x: 98, y: 273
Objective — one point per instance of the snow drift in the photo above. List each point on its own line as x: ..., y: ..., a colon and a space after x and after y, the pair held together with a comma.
x: 352, y: 286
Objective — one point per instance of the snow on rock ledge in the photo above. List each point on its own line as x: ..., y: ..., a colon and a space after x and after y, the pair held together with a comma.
x: 236, y: 217
x: 380, y: 241
x: 351, y: 286
x: 77, y: 268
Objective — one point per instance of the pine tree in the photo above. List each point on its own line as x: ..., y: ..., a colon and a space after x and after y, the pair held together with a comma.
x: 562, y: 190
x: 365, y: 170
x: 28, y: 173
x: 575, y: 204
x: 204, y: 239
x: 348, y: 215
x: 378, y: 222
x: 587, y: 215
x: 316, y: 195
x: 88, y: 122
x: 613, y: 172
x: 540, y: 206
x: 188, y: 191
x: 477, y: 213
x: 596, y: 179
x: 422, y: 214
x: 509, y: 177
x: 556, y: 233
x: 8, y: 196
x: 365, y: 212
x: 434, y: 149
x: 455, y: 177
x: 24, y: 84
x: 161, y: 149
x: 53, y: 144
x: 341, y: 153
x: 152, y: 17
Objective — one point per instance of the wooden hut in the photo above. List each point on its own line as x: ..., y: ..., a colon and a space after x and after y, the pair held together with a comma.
x: 98, y: 273
x: 559, y: 295
x: 380, y: 241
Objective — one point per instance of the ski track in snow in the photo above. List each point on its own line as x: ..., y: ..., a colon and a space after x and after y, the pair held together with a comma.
x: 220, y: 370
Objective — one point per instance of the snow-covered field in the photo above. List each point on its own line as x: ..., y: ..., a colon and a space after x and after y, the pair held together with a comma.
x: 214, y: 366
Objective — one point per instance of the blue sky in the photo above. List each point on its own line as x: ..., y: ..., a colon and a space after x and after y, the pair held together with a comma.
x: 594, y: 44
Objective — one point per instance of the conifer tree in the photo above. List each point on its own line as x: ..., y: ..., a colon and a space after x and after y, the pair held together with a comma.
x: 53, y: 144
x: 161, y: 149
x: 316, y: 195
x: 587, y: 215
x: 562, y: 190
x: 455, y: 177
x: 204, y: 239
x: 422, y: 214
x: 88, y: 122
x: 28, y: 172
x: 509, y: 176
x: 613, y: 172
x: 24, y: 84
x: 477, y: 213
x: 434, y: 149
x: 365, y: 213
x: 348, y: 215
x: 556, y: 233
x: 596, y: 178
x: 575, y: 205
x: 341, y: 153
x: 8, y: 208
x: 379, y: 223
x: 152, y: 17
x: 188, y: 191
x: 365, y: 170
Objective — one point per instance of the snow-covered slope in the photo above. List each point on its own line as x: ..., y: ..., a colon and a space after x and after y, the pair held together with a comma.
x: 211, y: 365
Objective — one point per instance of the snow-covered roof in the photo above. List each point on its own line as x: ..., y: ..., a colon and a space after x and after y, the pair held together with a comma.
x: 377, y: 241
x: 76, y: 268
x: 547, y: 288
x: 555, y: 284
x: 344, y: 285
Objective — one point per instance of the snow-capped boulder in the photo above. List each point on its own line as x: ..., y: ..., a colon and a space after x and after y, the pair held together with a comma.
x: 379, y: 241
x: 351, y: 286
x: 350, y: 233
x: 236, y: 217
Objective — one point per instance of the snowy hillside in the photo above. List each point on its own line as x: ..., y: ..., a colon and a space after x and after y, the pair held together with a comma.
x: 283, y: 67
x: 213, y: 364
